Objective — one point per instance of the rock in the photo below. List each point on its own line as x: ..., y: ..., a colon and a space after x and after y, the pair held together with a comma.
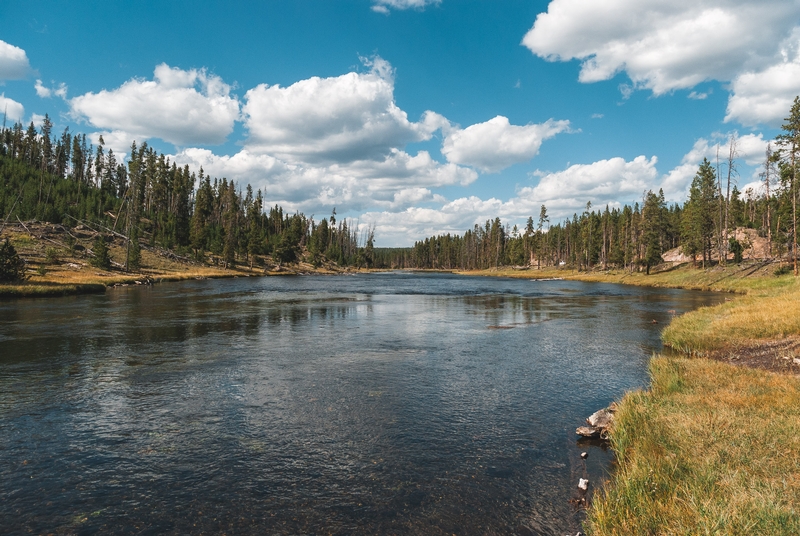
x: 599, y: 423
x: 601, y: 419
x: 587, y: 431
x: 583, y: 484
x: 584, y: 455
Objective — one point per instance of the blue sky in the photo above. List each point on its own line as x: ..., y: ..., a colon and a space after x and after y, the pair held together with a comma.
x: 416, y: 116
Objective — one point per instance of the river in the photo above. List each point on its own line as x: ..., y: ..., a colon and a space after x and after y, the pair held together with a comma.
x: 388, y: 403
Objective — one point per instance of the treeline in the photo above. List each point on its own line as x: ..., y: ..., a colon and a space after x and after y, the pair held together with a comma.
x: 635, y: 237
x: 152, y: 201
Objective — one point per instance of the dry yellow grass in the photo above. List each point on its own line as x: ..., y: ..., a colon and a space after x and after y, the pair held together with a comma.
x: 710, y: 449
x: 69, y: 271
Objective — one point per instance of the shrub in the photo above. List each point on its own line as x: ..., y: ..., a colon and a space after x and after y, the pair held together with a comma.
x: 783, y: 270
x: 52, y: 256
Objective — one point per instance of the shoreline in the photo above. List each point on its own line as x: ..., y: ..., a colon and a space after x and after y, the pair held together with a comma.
x: 711, y: 445
x: 56, y: 268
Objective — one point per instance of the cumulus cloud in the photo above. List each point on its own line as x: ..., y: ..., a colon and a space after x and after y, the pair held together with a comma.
x: 395, y: 182
x: 182, y: 107
x: 401, y: 228
x: 338, y: 119
x: 383, y: 6
x: 677, y: 44
x: 14, y: 64
x: 11, y: 109
x: 46, y: 92
x: 662, y: 45
x: 764, y: 97
x: 497, y: 144
x: 602, y: 182
x: 612, y: 182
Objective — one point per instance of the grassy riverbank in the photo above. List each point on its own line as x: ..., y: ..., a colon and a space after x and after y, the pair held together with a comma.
x: 55, y: 268
x: 710, y: 448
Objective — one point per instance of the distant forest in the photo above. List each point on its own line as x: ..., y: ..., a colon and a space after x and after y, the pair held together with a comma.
x: 150, y: 200
x: 635, y: 237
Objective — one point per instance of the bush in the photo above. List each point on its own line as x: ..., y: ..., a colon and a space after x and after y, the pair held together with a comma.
x: 52, y: 256
x: 783, y: 270
x: 12, y: 267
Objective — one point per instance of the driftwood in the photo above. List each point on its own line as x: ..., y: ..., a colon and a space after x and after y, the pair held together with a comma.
x: 599, y: 423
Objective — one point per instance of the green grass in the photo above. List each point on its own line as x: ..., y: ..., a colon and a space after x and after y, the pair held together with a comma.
x: 710, y: 449
x: 770, y: 310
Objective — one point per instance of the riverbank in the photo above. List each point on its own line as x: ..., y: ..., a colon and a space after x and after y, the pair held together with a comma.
x: 711, y: 447
x: 58, y: 262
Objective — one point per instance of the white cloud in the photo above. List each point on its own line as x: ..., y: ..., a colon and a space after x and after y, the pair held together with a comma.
x: 394, y: 182
x: 14, y: 64
x: 383, y: 6
x: 46, y: 92
x: 602, y: 182
x: 564, y: 193
x: 37, y: 120
x: 662, y: 45
x: 12, y: 110
x: 177, y: 106
x: 764, y: 97
x: 339, y: 119
x: 497, y: 144
x: 611, y: 182
x: 694, y: 95
x: 666, y: 45
x: 402, y: 228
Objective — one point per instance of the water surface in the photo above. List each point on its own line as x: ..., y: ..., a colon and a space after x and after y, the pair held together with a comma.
x: 373, y: 404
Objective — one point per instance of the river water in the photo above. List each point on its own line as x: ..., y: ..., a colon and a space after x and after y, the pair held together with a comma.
x: 374, y: 404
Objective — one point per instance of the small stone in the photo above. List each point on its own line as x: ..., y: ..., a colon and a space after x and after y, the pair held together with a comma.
x: 796, y: 361
x: 583, y: 484
x: 584, y: 455
x: 587, y: 431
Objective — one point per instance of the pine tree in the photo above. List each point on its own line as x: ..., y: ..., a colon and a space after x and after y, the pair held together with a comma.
x: 101, y: 258
x: 12, y: 267
x: 653, y: 227
x: 789, y: 144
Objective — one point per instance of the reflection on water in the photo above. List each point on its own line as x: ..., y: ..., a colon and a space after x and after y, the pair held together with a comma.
x: 387, y: 403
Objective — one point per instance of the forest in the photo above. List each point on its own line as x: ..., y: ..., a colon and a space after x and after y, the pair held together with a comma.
x: 152, y: 201
x: 635, y: 237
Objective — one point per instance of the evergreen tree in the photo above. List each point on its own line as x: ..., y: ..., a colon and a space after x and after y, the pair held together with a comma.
x: 12, y: 267
x: 789, y: 143
x: 653, y: 227
x: 101, y: 258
